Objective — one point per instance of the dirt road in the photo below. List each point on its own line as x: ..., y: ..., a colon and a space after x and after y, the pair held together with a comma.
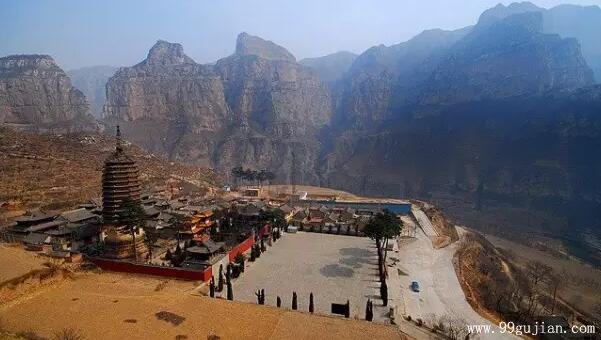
x: 440, y: 292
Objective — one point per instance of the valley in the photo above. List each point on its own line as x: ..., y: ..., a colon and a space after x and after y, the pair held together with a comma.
x: 446, y: 179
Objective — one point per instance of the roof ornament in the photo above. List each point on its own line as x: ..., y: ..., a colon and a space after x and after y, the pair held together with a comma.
x: 119, y: 146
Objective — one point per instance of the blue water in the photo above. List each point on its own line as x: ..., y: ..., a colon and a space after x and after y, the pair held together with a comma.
x: 397, y: 208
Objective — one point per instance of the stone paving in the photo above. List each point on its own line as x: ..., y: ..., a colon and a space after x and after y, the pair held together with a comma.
x: 334, y: 267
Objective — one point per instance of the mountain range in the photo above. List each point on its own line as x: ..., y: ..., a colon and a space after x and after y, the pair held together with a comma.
x: 497, y: 122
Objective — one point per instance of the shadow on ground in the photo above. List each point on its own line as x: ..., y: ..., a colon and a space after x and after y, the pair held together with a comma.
x: 336, y: 270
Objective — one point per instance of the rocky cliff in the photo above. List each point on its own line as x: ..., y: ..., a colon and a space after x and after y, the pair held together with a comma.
x: 257, y: 108
x: 569, y: 21
x: 36, y: 93
x: 496, y: 123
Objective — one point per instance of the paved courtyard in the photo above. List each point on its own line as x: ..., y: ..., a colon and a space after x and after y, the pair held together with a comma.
x: 334, y: 267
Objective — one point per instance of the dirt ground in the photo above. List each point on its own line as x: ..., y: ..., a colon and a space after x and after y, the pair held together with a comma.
x: 15, y: 262
x: 121, y: 306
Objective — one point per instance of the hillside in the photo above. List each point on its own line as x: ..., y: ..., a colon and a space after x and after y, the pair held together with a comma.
x: 501, y: 286
x: 59, y: 171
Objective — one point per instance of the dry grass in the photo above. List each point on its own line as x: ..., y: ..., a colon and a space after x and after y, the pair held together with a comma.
x: 60, y: 171
x: 97, y: 302
x: 15, y: 262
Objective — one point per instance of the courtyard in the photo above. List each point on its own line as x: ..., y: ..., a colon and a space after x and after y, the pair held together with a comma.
x: 335, y: 268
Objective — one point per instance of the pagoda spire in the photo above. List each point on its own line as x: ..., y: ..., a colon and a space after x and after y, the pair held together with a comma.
x: 119, y: 146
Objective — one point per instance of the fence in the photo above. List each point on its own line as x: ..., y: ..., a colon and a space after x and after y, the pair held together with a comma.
x: 173, y: 272
x: 241, y: 248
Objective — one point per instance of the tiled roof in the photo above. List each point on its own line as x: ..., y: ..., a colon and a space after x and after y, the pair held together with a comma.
x: 35, y: 238
x: 44, y: 226
x: 206, y: 247
x: 77, y: 215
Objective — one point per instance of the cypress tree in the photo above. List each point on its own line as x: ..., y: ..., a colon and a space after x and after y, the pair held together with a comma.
x: 279, y: 302
x: 212, y: 287
x: 220, y: 282
x: 294, y: 301
x: 311, y: 306
x: 230, y: 292
x: 384, y: 293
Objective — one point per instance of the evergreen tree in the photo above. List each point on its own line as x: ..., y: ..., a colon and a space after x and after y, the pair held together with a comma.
x: 220, y: 282
x: 311, y: 306
x: 212, y: 287
x: 279, y: 302
x: 230, y: 292
x: 294, y: 301
x: 384, y: 293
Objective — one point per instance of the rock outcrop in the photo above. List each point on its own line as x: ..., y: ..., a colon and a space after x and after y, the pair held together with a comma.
x: 35, y: 93
x: 247, y: 44
x: 257, y: 108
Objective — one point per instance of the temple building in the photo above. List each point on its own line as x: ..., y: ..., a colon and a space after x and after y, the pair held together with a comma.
x: 120, y: 198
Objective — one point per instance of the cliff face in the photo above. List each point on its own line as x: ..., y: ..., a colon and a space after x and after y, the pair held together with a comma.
x: 511, y: 167
x: 495, y: 123
x: 35, y: 93
x: 382, y: 79
x: 257, y: 108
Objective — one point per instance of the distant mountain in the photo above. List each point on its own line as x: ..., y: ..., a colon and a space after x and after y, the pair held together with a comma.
x: 509, y: 57
x: 331, y: 67
x: 569, y: 21
x: 383, y: 77
x: 496, y: 123
x: 35, y: 93
x: 256, y: 108
x: 92, y: 82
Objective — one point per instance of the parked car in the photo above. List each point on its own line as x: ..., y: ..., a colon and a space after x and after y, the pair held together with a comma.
x: 415, y: 286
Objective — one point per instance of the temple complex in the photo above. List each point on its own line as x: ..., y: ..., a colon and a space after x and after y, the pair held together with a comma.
x: 120, y: 197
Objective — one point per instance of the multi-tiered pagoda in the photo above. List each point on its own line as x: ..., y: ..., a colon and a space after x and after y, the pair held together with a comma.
x: 120, y: 197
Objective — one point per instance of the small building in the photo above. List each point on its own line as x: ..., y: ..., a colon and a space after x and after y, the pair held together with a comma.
x: 251, y: 192
x: 204, y: 254
x: 35, y: 241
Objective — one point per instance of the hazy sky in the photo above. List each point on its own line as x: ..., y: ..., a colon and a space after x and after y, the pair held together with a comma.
x: 119, y: 32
